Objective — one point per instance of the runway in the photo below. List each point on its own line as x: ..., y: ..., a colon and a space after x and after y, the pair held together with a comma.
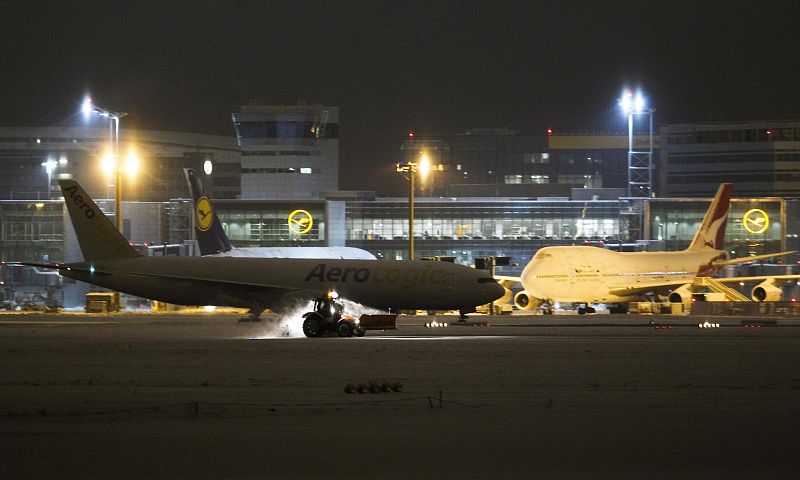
x: 144, y: 396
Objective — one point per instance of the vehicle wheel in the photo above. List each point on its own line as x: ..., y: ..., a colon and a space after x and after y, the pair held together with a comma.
x: 590, y: 310
x: 344, y: 329
x: 312, y: 326
x: 581, y: 310
x: 359, y: 331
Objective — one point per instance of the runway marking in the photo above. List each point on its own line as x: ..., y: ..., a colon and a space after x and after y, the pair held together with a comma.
x: 50, y: 322
x: 443, y: 337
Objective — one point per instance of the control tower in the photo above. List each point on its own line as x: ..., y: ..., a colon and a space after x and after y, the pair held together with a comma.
x: 288, y: 151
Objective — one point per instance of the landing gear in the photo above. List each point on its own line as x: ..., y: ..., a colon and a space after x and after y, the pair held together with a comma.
x: 462, y: 314
x: 585, y: 309
x: 618, y: 308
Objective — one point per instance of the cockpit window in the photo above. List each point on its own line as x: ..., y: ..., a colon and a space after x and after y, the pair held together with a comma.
x: 487, y: 280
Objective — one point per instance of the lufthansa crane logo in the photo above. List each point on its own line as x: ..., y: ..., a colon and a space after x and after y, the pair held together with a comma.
x: 755, y: 220
x: 300, y: 221
x: 205, y: 213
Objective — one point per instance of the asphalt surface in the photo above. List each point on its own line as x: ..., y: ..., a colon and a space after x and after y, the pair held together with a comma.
x: 207, y: 396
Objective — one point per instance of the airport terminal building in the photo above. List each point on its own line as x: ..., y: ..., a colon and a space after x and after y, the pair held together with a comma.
x: 546, y: 190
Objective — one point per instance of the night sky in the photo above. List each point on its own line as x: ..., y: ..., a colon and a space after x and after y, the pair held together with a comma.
x: 434, y: 67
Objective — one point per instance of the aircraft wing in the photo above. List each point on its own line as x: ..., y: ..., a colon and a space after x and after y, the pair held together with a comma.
x: 758, y: 278
x: 507, y: 282
x: 751, y: 259
x: 637, y: 288
x: 654, y: 286
x: 198, y: 280
x: 51, y: 266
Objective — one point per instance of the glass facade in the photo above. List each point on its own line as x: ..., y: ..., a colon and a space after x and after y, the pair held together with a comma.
x: 32, y: 231
x: 253, y: 224
x: 465, y: 229
x: 471, y: 229
x: 676, y: 221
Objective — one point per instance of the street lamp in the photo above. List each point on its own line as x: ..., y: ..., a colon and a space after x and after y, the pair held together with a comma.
x: 113, y: 137
x: 50, y: 166
x: 422, y: 167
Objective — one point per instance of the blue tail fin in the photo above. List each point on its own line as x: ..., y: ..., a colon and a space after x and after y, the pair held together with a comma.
x: 98, y: 237
x: 207, y: 227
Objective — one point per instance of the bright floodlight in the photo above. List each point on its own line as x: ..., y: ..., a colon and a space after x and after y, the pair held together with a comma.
x: 638, y: 103
x: 49, y: 166
x: 86, y: 107
x: 626, y: 101
x: 109, y: 163
x: 424, y: 165
x: 132, y: 163
x: 632, y: 103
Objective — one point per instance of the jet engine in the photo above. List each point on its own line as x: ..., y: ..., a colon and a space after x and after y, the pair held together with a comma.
x: 682, y: 294
x: 525, y: 301
x: 767, y: 291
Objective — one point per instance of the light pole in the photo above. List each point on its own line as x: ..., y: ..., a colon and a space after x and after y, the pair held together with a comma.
x: 113, y: 138
x: 421, y: 167
x: 640, y: 165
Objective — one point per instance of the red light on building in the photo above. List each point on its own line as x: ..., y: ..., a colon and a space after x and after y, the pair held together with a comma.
x: 549, y: 131
x: 411, y: 134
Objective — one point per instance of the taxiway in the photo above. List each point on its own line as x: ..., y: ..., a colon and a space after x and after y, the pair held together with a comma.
x: 148, y: 396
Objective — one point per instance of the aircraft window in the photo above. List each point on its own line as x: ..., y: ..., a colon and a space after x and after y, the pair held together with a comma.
x: 487, y: 280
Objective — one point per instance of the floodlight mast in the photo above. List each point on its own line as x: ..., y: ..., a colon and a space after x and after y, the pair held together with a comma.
x: 640, y: 165
x: 640, y: 162
x: 113, y: 137
x: 412, y: 168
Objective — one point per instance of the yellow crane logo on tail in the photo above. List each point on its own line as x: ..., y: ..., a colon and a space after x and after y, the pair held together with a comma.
x: 204, y: 213
x: 755, y: 220
x: 300, y: 222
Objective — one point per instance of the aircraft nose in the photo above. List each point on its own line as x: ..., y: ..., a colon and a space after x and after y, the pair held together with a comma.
x: 493, y: 291
x: 497, y: 291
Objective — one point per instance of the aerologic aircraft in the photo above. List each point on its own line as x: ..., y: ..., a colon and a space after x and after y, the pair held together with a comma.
x: 588, y: 275
x: 213, y: 241
x: 260, y: 283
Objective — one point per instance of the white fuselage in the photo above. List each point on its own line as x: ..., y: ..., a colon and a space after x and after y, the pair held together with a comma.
x: 350, y: 253
x: 591, y: 274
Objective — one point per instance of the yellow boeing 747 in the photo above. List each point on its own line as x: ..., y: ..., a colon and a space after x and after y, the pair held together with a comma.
x: 589, y: 275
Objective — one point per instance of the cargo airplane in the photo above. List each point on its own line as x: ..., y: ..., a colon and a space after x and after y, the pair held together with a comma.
x: 213, y: 241
x: 260, y: 283
x: 589, y: 275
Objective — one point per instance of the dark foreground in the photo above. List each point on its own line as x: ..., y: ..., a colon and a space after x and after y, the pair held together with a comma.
x: 208, y: 397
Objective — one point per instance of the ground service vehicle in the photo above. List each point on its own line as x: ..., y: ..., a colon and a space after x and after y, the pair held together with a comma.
x: 329, y: 317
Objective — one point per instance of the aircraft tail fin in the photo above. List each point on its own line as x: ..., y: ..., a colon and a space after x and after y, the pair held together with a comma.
x: 98, y: 238
x: 207, y: 227
x: 712, y: 230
